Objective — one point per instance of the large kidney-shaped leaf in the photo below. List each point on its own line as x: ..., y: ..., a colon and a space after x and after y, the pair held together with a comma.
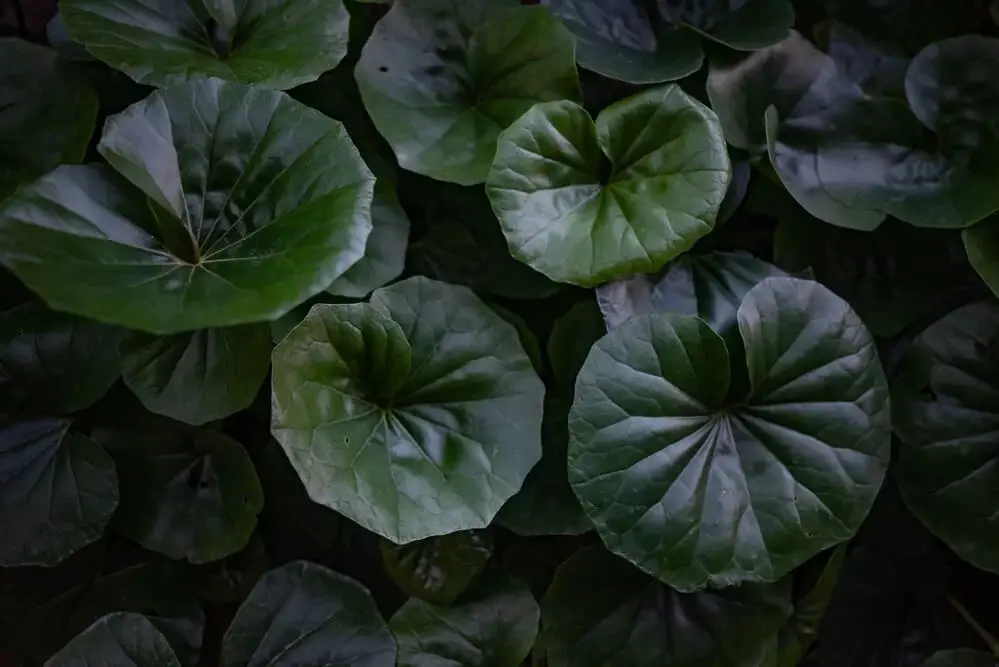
x: 232, y: 204
x: 198, y: 376
x: 46, y: 114
x: 570, y: 215
x: 57, y: 491
x: 418, y: 414
x: 946, y: 411
x: 442, y: 78
x: 624, y: 40
x: 303, y: 615
x: 699, y: 488
x: 163, y: 42
x: 493, y: 625
x: 120, y: 639
x: 438, y: 569
x: 54, y: 363
x: 187, y: 496
x: 601, y: 612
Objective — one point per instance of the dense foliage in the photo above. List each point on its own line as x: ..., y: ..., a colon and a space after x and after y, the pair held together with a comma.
x: 480, y: 333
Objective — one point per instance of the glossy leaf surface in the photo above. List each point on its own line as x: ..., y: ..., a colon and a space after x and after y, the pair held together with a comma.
x: 438, y: 569
x: 668, y: 176
x: 416, y: 415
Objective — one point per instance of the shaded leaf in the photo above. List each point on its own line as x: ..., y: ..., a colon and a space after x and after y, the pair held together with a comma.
x: 123, y: 640
x: 438, y: 569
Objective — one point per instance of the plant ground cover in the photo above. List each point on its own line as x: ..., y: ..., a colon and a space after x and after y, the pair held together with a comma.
x: 481, y: 333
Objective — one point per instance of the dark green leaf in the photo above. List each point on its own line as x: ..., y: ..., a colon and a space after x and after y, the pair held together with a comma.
x: 699, y: 490
x: 961, y: 657
x: 546, y: 505
x: 442, y: 78
x: 669, y: 171
x: 602, y: 612
x: 908, y: 24
x: 122, y: 640
x: 798, y: 635
x: 188, y: 496
x: 303, y: 615
x: 737, y: 190
x: 166, y: 42
x: 199, y: 376
x: 46, y: 113
x: 981, y: 243
x: 234, y: 204
x: 385, y: 253
x: 494, y: 625
x: 417, y: 415
x: 438, y: 569
x: 625, y: 41
x: 54, y: 363
x: 745, y: 25
x: 945, y: 409
x: 572, y: 336
x: 527, y: 338
x: 57, y: 491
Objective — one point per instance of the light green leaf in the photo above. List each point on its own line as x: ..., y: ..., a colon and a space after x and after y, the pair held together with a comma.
x: 442, y: 78
x: 699, y: 487
x: 192, y: 496
x: 120, y: 639
x: 303, y: 615
x: 234, y: 204
x: 46, y: 113
x: 54, y: 363
x: 623, y: 40
x: 199, y: 376
x: 494, y: 625
x: 602, y: 612
x: 58, y: 493
x: 385, y: 253
x: 438, y: 569
x: 946, y: 407
x: 668, y: 173
x: 166, y: 42
x: 416, y: 415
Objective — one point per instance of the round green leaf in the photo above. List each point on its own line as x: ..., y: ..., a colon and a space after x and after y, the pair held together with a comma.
x: 946, y: 408
x: 442, y: 78
x: 194, y: 497
x: 669, y: 170
x: 57, y: 491
x: 601, y: 612
x: 960, y: 657
x: 546, y: 505
x: 385, y: 253
x: 120, y: 639
x: 416, y: 415
x: 745, y: 25
x: 624, y: 40
x: 699, y: 490
x: 54, y: 363
x: 494, y: 625
x: 199, y: 376
x: 438, y: 569
x: 163, y: 42
x: 46, y: 114
x: 232, y: 205
x: 303, y: 615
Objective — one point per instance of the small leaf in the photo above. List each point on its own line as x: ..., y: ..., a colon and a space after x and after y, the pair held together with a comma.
x: 438, y: 569
x: 46, y: 113
x: 945, y: 408
x: 442, y: 78
x: 303, y: 615
x: 54, y: 363
x: 601, y: 611
x: 416, y: 415
x: 58, y: 491
x: 227, y: 204
x: 163, y: 43
x: 668, y: 173
x: 695, y: 486
x: 200, y: 376
x: 123, y: 640
x: 188, y: 496
x: 494, y: 625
